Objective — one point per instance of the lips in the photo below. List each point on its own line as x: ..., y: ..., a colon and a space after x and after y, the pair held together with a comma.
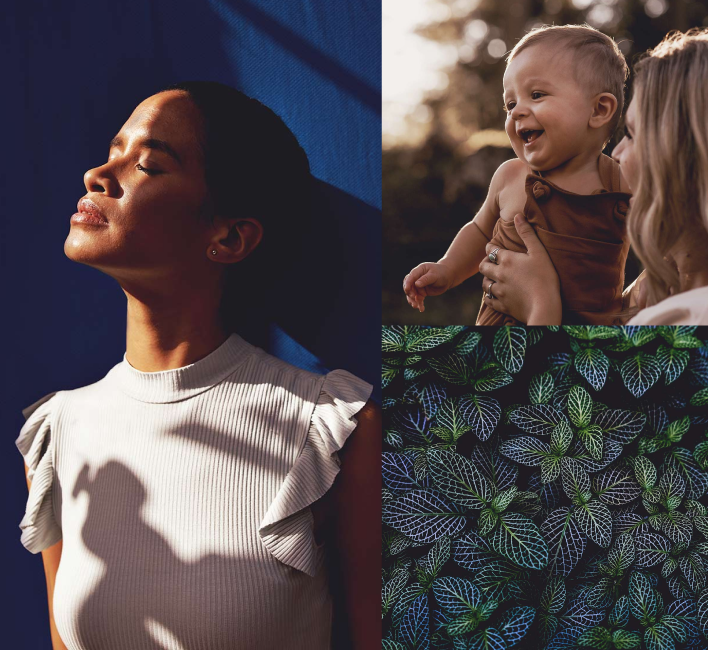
x: 86, y: 206
x: 530, y: 135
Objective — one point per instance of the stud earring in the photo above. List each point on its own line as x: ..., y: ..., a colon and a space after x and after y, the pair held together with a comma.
x: 213, y: 251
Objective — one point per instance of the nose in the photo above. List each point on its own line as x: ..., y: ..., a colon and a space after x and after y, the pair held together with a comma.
x: 100, y: 179
x: 616, y: 152
x: 518, y: 111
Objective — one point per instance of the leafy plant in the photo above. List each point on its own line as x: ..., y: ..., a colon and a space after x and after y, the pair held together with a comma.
x: 545, y: 488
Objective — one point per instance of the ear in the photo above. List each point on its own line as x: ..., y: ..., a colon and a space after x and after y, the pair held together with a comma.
x: 235, y: 240
x: 604, y: 107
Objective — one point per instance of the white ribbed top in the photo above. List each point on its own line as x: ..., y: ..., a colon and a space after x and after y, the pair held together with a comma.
x: 183, y: 496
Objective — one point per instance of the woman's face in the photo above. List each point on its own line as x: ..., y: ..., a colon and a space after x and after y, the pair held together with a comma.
x: 623, y: 153
x: 150, y: 192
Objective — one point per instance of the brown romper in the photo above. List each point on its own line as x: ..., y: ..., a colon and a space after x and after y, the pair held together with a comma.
x: 586, y: 238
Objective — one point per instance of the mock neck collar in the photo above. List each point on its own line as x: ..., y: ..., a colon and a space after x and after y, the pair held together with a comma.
x: 182, y: 383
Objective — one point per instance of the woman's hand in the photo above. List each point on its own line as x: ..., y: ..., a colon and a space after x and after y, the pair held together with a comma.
x: 525, y: 285
x: 426, y: 279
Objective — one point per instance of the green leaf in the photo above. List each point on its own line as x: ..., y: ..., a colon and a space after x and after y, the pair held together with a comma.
x: 642, y: 600
x: 518, y: 538
x: 487, y: 520
x: 672, y: 361
x: 550, y: 468
x: 591, y: 332
x: 626, y: 640
x: 516, y: 623
x: 458, y: 478
x: 596, y: 637
x: 554, y: 594
x: 693, y: 570
x: 481, y: 413
x: 672, y: 488
x: 621, y: 426
x: 502, y: 500
x: 591, y: 438
x: 619, y: 615
x: 676, y: 430
x: 595, y: 521
x: 415, y: 625
x: 651, y: 549
x: 453, y: 368
x: 702, y: 609
x: 450, y: 425
x: 510, y: 347
x: 525, y: 450
x: 456, y: 595
x: 700, y: 454
x: 392, y: 339
x: 428, y: 338
x: 423, y: 515
x: 640, y: 372
x: 592, y: 364
x: 541, y: 388
x: 579, y: 407
x: 622, y: 553
x: 658, y: 637
x: 468, y: 342
x: 489, y: 639
x: 700, y: 398
x: 576, y: 481
x: 645, y: 472
x: 616, y: 486
x: 393, y: 587
x: 492, y: 377
x: 538, y: 420
x: 561, y: 437
x: 566, y: 543
x: 676, y: 526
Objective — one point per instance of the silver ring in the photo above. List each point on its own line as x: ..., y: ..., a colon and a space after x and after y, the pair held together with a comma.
x: 489, y: 290
x: 493, y: 256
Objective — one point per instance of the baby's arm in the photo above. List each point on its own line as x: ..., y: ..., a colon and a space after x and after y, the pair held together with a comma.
x: 466, y: 251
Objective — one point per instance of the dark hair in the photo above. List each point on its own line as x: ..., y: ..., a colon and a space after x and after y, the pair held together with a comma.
x: 254, y: 167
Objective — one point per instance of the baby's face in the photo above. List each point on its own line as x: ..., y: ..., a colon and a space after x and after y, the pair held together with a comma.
x: 547, y: 110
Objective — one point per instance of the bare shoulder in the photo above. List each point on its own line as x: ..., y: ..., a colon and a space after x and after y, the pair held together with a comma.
x: 509, y: 172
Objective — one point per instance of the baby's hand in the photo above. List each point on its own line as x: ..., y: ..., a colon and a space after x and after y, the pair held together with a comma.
x: 426, y: 279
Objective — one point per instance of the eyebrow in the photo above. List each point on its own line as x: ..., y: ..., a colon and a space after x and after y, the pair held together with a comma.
x: 149, y: 143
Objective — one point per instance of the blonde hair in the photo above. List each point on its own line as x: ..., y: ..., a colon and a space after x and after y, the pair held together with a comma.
x: 671, y: 144
x: 603, y: 65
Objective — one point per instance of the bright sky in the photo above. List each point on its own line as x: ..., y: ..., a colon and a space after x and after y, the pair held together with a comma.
x: 413, y: 66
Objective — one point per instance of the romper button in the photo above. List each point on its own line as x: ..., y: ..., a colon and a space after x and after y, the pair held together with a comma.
x: 621, y: 208
x: 541, y: 191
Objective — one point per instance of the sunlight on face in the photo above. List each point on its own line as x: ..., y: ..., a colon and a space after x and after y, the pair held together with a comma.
x: 547, y: 109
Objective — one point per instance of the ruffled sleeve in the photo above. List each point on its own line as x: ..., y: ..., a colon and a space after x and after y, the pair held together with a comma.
x: 40, y: 529
x: 287, y: 528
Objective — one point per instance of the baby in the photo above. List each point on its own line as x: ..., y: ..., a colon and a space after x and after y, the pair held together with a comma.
x: 563, y: 95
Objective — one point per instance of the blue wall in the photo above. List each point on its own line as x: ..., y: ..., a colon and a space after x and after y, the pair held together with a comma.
x: 73, y: 71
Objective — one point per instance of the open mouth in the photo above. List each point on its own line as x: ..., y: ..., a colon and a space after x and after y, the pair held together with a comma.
x: 530, y: 135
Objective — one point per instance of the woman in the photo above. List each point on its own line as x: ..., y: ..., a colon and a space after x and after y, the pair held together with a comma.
x: 189, y: 493
x: 664, y: 157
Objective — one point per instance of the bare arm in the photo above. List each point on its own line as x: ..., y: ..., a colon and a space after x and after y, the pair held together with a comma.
x: 467, y: 250
x: 51, y: 558
x: 356, y: 530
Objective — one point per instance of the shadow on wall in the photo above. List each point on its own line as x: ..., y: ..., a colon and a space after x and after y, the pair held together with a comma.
x: 336, y: 284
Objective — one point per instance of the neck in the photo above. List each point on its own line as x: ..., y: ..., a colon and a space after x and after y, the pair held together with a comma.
x: 577, y: 174
x: 173, y: 325
x: 690, y: 258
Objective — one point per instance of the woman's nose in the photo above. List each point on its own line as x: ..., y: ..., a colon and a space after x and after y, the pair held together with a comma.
x: 99, y: 179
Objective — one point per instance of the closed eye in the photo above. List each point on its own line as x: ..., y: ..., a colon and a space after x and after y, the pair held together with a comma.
x: 626, y: 133
x: 149, y: 172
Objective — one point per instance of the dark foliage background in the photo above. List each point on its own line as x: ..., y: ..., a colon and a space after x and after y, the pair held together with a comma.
x: 504, y: 523
x: 435, y: 184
